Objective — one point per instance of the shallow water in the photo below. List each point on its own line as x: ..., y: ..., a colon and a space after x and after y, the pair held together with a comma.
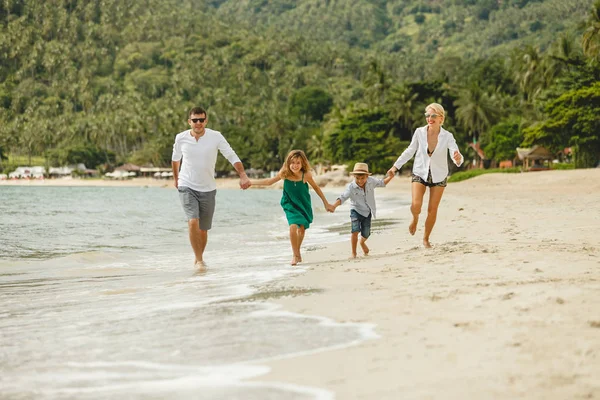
x: 98, y: 297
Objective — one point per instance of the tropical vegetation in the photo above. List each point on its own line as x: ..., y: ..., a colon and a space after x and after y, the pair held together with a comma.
x: 110, y: 81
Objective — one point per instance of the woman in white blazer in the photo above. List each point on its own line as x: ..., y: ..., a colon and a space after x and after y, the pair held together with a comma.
x: 430, y: 168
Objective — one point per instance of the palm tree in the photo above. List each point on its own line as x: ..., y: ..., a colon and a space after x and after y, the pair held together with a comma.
x: 316, y: 146
x: 376, y: 82
x: 529, y: 71
x: 564, y: 55
x: 591, y: 36
x: 476, y: 110
x: 402, y: 103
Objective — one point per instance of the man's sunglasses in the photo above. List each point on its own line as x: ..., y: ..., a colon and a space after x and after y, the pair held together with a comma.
x: 196, y: 120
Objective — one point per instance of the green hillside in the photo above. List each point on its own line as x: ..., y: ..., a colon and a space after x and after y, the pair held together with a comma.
x: 113, y: 79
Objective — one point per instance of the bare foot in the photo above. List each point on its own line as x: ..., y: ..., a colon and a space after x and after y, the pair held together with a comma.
x: 353, y: 255
x: 426, y: 243
x: 294, y: 260
x: 365, y: 249
x: 200, y: 265
x: 412, y: 228
x: 299, y: 257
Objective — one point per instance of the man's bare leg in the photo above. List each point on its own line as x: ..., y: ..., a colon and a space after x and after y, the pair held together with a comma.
x: 198, y: 240
x: 418, y: 191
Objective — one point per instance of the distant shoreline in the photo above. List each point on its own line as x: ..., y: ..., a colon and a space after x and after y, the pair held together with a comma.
x: 222, y: 183
x: 134, y: 182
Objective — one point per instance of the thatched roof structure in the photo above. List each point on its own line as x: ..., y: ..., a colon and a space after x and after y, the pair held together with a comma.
x: 128, y: 167
x: 535, y: 153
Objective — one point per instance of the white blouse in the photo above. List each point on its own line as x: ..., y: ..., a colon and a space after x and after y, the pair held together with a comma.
x: 438, y: 162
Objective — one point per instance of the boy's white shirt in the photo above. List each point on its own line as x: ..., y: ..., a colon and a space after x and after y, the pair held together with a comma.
x: 363, y: 201
x: 199, y: 158
x: 438, y: 162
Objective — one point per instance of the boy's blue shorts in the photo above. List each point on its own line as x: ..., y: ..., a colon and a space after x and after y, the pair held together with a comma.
x: 361, y: 224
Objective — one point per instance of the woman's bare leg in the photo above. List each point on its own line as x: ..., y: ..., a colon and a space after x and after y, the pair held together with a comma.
x: 435, y: 196
x: 418, y: 191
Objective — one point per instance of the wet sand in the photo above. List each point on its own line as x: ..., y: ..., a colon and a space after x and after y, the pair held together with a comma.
x: 506, y: 305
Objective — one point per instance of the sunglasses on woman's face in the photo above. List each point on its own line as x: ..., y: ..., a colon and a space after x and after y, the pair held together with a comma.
x: 196, y: 120
x: 427, y: 115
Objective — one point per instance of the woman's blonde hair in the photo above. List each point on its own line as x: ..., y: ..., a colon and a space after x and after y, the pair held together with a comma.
x: 286, y: 172
x: 438, y: 110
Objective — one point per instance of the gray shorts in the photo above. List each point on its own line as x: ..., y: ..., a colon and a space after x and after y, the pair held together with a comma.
x: 198, y: 205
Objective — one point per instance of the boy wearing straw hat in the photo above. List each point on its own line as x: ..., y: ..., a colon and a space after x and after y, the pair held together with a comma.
x: 361, y: 193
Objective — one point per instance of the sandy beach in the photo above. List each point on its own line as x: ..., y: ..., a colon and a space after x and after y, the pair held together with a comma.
x: 505, y: 306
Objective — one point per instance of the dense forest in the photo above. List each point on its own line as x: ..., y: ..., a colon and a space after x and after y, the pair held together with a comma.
x: 110, y: 81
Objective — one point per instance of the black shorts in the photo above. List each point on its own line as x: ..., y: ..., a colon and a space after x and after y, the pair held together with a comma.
x: 428, y: 182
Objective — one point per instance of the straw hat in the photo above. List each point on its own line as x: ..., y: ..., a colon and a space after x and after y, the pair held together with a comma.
x: 360, y: 168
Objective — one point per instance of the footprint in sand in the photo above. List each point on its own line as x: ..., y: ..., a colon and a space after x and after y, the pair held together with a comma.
x: 508, y: 296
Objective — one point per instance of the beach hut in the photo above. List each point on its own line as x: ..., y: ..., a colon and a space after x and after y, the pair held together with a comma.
x: 90, y: 172
x: 536, y: 158
x: 28, y: 172
x: 479, y: 161
x: 38, y: 172
x: 149, y: 171
x: 255, y: 173
x: 60, y: 172
x: 119, y: 174
x: 128, y: 167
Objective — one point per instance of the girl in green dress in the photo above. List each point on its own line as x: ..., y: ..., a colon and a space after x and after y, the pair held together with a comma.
x: 295, y: 201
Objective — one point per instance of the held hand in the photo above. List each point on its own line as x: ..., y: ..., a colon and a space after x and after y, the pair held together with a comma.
x: 391, y: 172
x: 330, y: 208
x: 457, y: 157
x: 245, y: 183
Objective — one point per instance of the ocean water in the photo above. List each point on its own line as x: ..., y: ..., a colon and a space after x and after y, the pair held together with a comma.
x: 99, y: 298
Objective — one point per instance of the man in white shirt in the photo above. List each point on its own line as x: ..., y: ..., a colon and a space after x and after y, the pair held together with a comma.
x: 195, y: 181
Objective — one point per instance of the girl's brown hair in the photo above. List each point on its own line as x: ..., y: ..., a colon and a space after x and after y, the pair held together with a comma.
x: 285, y: 171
